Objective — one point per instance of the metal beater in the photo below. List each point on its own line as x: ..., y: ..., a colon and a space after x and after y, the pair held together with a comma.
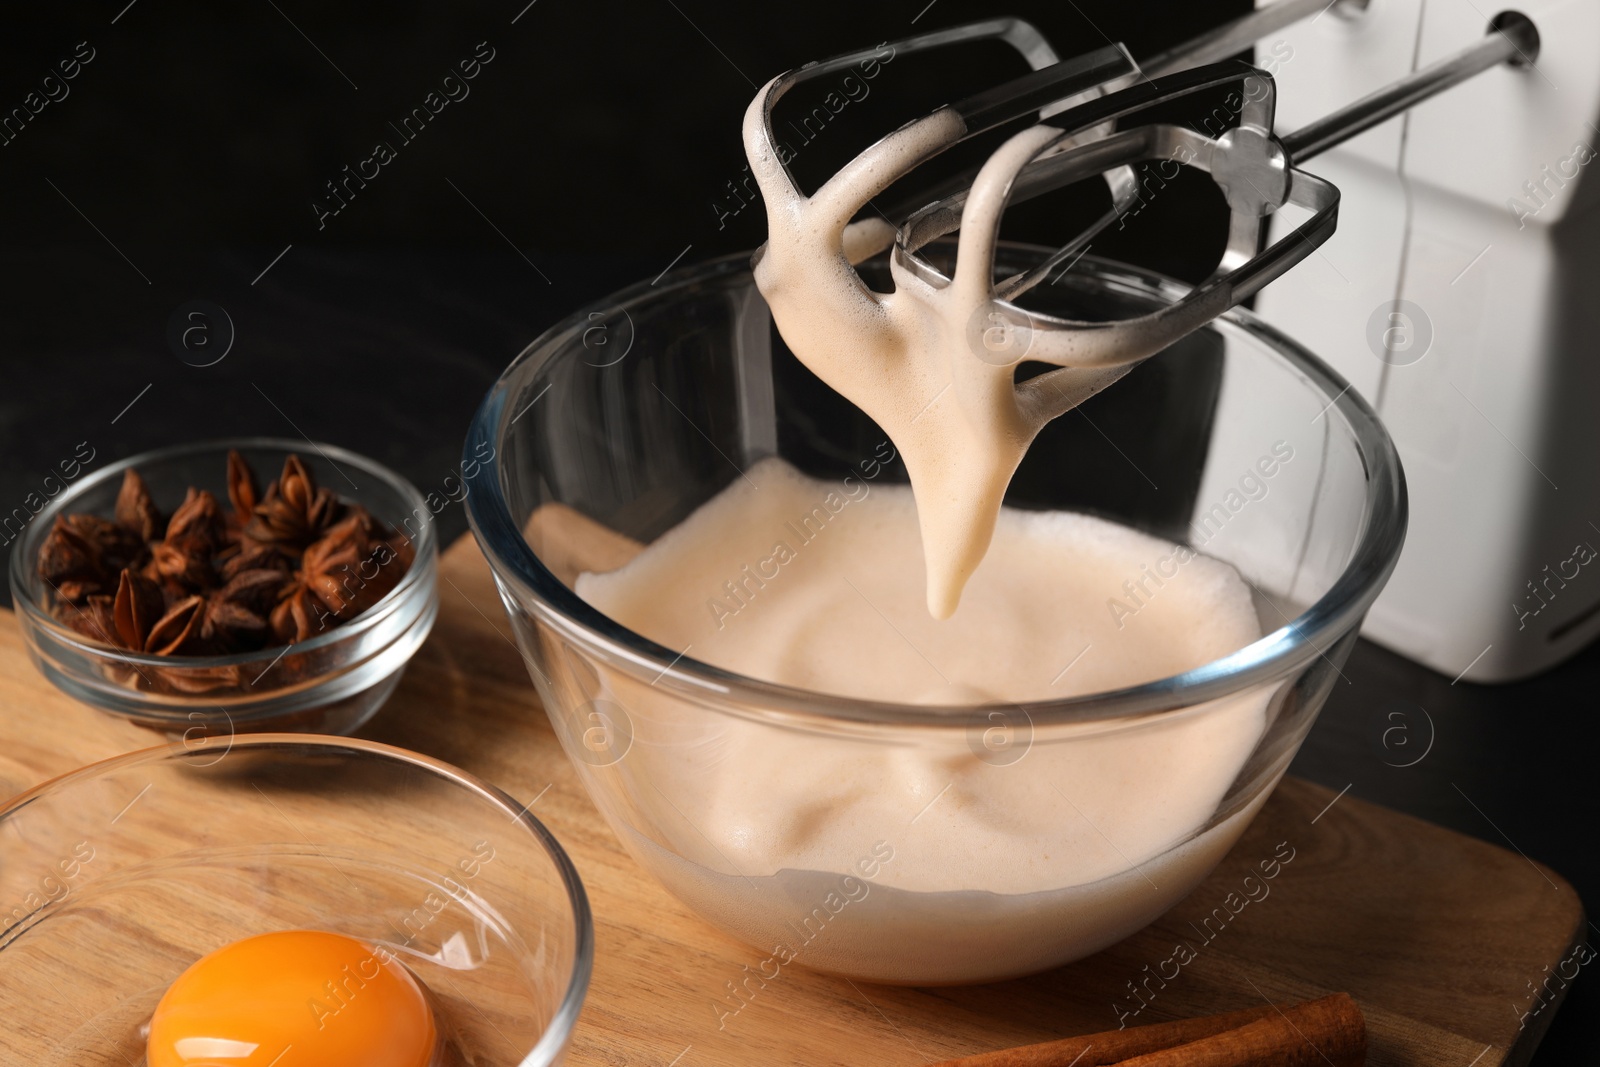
x: 1089, y: 101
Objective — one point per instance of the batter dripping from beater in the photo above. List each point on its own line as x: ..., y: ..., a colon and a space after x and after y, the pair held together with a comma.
x: 911, y: 359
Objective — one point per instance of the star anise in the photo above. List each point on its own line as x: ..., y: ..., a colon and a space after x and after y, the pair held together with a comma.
x: 70, y: 563
x: 256, y: 590
x: 340, y: 576
x: 180, y: 571
x: 230, y: 619
x: 136, y: 511
x: 93, y: 619
x: 177, y: 633
x: 280, y: 567
x: 231, y: 627
x: 243, y: 492
x: 139, y: 605
x: 349, y: 571
x: 182, y: 563
x: 82, y: 555
x: 295, y: 511
x: 256, y: 556
x: 197, y: 526
x: 201, y: 626
x: 299, y: 616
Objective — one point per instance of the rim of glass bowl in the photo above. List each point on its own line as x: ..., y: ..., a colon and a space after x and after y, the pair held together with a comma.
x: 565, y: 1017
x: 1275, y: 655
x: 23, y: 579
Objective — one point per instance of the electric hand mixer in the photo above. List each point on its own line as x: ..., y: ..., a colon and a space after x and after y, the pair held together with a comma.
x: 1092, y: 103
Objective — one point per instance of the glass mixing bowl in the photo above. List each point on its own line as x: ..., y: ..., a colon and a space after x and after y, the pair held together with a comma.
x: 111, y: 887
x: 734, y: 791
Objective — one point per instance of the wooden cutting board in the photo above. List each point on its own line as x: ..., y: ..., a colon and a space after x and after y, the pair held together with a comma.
x: 1436, y: 935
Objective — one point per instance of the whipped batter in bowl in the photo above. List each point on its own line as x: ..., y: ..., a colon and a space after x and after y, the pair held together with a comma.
x: 721, y: 599
x: 977, y: 833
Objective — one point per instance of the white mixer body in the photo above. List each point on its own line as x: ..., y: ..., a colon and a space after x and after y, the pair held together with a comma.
x: 1461, y: 297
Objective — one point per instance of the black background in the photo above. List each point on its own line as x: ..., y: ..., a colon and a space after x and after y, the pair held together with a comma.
x: 593, y: 150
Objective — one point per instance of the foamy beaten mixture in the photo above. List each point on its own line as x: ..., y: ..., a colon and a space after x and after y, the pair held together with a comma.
x: 819, y: 585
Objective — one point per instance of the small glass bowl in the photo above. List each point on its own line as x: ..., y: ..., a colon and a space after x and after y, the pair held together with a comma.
x: 813, y: 826
x: 110, y: 888
x: 331, y: 683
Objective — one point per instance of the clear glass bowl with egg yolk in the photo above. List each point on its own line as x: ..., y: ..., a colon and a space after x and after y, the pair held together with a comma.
x: 359, y: 902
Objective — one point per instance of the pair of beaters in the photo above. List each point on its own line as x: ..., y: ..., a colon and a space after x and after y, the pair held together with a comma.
x: 1089, y: 109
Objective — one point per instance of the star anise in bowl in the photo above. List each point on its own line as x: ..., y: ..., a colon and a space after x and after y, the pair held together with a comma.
x: 273, y: 569
x: 181, y: 591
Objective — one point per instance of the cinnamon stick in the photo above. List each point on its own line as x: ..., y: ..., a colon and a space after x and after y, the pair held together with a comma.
x: 1299, y: 1035
x: 1329, y: 1030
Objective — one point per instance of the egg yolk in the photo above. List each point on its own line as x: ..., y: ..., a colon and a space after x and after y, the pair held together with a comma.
x: 296, y: 998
